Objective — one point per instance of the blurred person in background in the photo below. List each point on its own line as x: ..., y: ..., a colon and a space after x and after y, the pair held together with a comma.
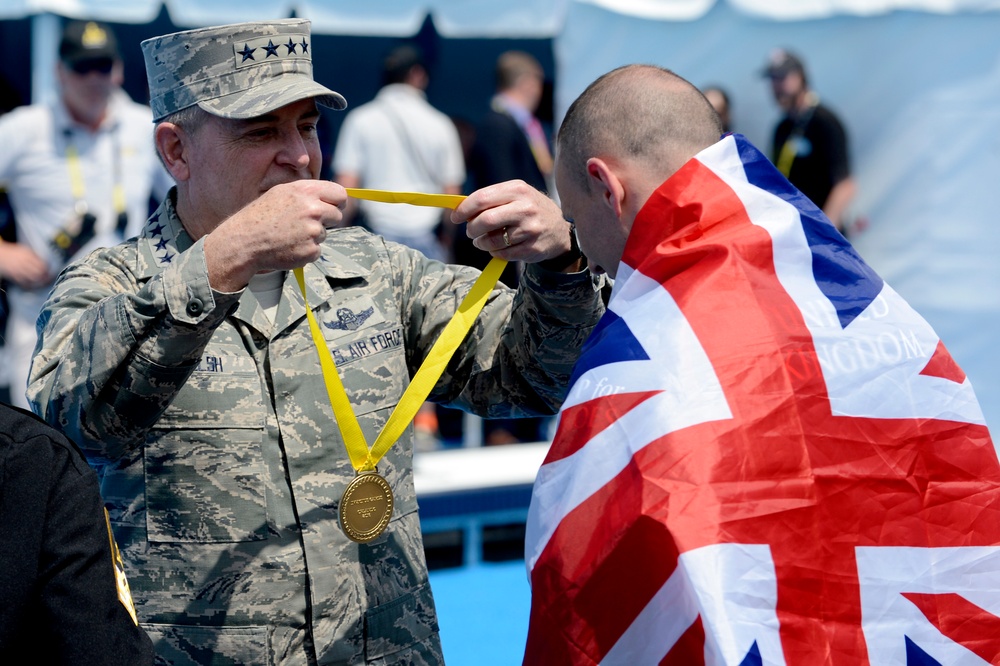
x: 810, y: 143
x: 9, y: 100
x: 510, y: 140
x: 510, y: 144
x: 719, y: 99
x: 398, y: 141
x: 79, y: 172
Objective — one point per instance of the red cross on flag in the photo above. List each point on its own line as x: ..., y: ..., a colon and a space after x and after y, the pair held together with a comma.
x: 766, y: 456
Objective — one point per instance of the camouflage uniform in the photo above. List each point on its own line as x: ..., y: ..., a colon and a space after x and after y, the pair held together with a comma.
x: 218, y: 451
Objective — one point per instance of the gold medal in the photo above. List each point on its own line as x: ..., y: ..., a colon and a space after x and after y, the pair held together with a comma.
x: 366, y: 507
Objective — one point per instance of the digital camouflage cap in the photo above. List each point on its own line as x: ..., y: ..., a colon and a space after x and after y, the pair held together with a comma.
x: 242, y: 70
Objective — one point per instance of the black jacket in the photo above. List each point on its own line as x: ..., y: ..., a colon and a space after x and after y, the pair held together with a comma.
x: 501, y: 152
x: 58, y: 597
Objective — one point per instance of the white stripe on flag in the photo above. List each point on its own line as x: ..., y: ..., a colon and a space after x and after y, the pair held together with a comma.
x: 678, y: 366
x: 732, y: 587
x: 885, y: 347
x: 886, y: 573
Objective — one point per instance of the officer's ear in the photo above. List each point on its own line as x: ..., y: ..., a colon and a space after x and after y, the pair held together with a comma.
x: 172, y: 144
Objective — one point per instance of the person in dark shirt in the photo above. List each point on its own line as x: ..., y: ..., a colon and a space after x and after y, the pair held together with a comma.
x: 510, y: 140
x: 63, y: 594
x: 810, y: 143
x: 510, y: 144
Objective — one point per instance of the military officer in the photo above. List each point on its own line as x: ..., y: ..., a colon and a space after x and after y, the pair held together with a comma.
x: 184, y: 364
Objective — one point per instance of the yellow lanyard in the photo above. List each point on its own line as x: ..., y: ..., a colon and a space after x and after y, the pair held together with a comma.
x: 362, y: 458
x: 789, y: 149
x: 79, y: 188
x: 787, y: 155
x: 75, y: 174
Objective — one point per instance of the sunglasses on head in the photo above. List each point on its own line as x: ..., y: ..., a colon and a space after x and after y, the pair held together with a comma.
x: 88, y: 65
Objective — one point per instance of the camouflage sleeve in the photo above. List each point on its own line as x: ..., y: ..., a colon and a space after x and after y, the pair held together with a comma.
x: 115, y: 347
x: 518, y: 357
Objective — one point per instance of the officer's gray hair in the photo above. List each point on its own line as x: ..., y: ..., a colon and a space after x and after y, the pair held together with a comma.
x: 189, y: 119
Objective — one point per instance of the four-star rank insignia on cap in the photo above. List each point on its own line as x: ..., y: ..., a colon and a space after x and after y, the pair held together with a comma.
x: 262, y: 49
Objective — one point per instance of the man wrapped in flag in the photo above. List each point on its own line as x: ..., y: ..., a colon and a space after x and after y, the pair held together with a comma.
x: 766, y: 456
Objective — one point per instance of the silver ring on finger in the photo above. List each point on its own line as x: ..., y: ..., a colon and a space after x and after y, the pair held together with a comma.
x: 506, y: 238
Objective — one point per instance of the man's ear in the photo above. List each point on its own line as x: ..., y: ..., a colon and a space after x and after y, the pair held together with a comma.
x: 607, y: 184
x: 171, y: 142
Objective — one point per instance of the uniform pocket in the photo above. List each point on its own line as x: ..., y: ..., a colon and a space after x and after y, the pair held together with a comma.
x: 180, y: 645
x: 223, y: 391
x: 203, y: 465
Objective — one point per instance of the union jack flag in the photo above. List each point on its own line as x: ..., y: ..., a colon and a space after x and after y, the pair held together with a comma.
x: 766, y: 455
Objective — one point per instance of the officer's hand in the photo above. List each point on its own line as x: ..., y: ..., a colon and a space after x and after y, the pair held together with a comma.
x: 20, y: 265
x: 281, y: 230
x: 514, y: 221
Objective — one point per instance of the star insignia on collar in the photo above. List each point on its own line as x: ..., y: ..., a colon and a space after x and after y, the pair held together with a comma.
x: 271, y: 48
x: 291, y: 46
x: 157, y: 230
x: 305, y: 46
x: 247, y: 53
x: 161, y: 244
x: 167, y: 258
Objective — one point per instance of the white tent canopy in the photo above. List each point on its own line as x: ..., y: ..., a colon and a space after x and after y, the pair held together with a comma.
x: 452, y: 18
x: 917, y: 83
x: 461, y: 18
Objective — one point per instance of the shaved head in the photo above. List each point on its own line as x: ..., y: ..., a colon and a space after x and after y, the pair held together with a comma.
x: 637, y: 113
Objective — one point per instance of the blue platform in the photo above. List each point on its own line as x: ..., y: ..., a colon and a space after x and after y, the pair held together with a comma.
x: 483, y: 607
x: 468, y: 489
x: 483, y: 611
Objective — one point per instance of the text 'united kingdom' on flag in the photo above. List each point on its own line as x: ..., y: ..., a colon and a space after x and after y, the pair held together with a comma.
x: 766, y: 455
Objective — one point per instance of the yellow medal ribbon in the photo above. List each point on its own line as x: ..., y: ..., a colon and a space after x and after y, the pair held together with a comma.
x: 362, y: 458
x: 412, y: 198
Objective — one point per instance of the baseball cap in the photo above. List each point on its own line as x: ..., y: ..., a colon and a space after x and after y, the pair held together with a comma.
x: 87, y: 40
x: 241, y: 70
x: 781, y: 62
